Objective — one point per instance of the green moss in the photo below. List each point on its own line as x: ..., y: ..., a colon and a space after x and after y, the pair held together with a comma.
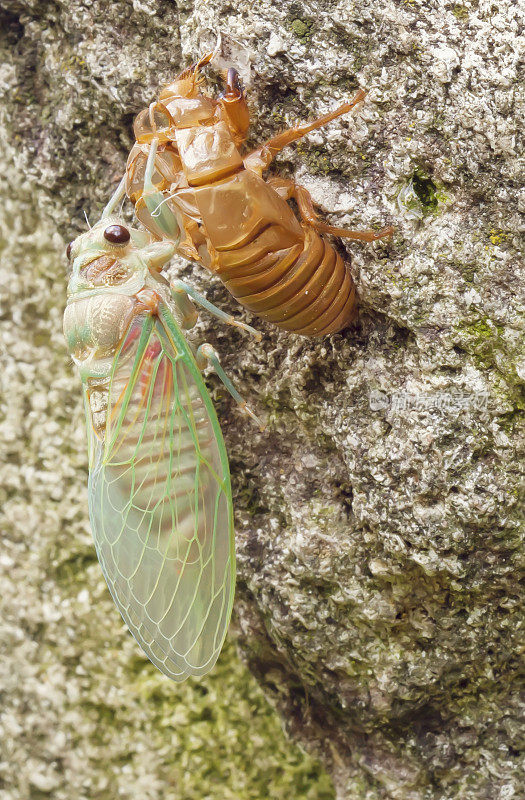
x: 215, y: 737
x: 468, y: 272
x: 302, y: 28
x: 228, y: 742
x: 421, y: 196
x: 482, y: 338
x: 299, y: 27
x: 425, y: 189
x: 512, y: 422
x: 497, y: 236
x: 480, y: 331
x: 316, y: 159
x: 249, y: 499
x: 460, y: 12
x: 67, y: 571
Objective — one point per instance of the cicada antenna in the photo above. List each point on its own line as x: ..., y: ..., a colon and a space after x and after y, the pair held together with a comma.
x: 86, y: 218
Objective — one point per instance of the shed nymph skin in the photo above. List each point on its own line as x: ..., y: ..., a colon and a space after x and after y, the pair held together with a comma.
x: 187, y: 177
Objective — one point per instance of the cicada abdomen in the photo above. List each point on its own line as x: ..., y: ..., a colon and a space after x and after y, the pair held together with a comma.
x: 159, y: 487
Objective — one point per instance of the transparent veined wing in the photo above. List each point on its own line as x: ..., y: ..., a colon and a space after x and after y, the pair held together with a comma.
x: 160, y: 500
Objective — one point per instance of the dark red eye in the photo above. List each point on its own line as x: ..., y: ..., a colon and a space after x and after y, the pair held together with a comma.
x: 68, y: 250
x: 116, y: 234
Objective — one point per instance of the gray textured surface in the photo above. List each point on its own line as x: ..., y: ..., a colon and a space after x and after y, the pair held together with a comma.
x: 378, y: 544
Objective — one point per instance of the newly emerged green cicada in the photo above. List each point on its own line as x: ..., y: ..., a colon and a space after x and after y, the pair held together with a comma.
x: 160, y: 499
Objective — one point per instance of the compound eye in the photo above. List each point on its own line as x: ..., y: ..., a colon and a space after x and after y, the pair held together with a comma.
x: 68, y: 250
x: 116, y: 234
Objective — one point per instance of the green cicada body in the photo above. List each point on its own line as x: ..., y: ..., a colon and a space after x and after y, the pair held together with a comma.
x: 159, y: 486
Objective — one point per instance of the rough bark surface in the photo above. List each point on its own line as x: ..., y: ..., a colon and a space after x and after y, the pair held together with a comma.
x: 379, y: 515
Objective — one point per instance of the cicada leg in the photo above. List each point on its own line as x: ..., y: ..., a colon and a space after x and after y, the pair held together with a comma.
x: 234, y: 107
x: 182, y: 292
x: 117, y: 196
x: 261, y: 158
x: 162, y: 218
x: 206, y: 354
x: 288, y: 188
x: 188, y: 312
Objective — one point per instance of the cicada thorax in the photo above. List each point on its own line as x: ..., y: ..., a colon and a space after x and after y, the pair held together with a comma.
x: 105, y: 271
x: 94, y: 328
x: 98, y: 315
x: 94, y: 325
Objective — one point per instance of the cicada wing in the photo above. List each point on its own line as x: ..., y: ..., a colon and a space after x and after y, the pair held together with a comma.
x: 160, y: 502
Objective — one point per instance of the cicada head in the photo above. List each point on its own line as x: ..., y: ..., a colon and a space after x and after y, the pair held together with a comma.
x: 113, y: 257
x: 181, y: 105
x: 183, y: 100
x: 110, y: 265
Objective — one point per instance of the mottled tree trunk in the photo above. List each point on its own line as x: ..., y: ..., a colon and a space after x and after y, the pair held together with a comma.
x: 379, y: 514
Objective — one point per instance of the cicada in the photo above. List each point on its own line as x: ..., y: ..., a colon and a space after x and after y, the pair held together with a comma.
x: 187, y: 167
x: 160, y: 500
